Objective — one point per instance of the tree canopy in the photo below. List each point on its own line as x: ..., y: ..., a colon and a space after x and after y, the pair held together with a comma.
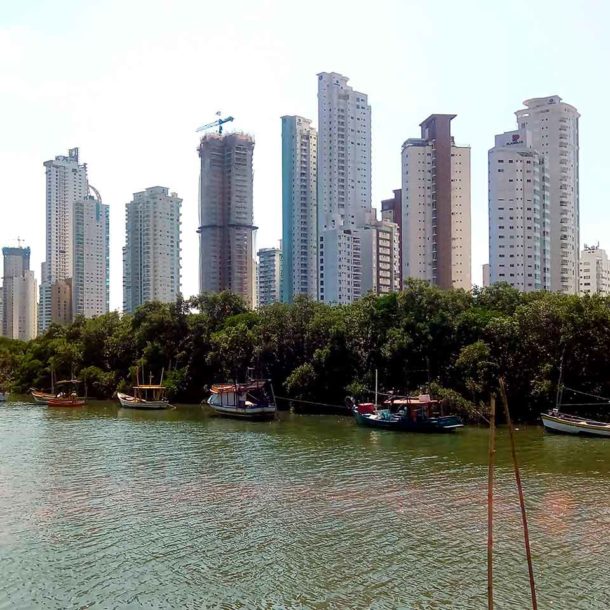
x: 421, y: 337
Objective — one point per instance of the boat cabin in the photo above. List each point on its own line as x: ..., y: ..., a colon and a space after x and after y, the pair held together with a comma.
x: 241, y: 395
x: 415, y: 407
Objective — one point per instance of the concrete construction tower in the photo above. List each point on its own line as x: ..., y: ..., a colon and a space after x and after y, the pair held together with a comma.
x: 226, y: 216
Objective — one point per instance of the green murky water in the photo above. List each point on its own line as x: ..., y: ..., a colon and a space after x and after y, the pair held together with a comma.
x: 109, y: 508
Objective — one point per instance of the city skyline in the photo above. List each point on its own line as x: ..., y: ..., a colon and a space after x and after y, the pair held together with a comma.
x: 159, y: 139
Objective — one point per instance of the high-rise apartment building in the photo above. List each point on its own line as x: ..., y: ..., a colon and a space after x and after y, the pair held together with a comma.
x: 151, y: 256
x: 299, y: 208
x: 19, y: 289
x: 436, y: 239
x: 344, y: 186
x: 226, y: 216
x: 66, y: 182
x: 90, y: 281
x: 380, y: 257
x: 594, y: 271
x: 519, y: 223
x: 391, y: 210
x: 269, y: 276
x: 553, y: 132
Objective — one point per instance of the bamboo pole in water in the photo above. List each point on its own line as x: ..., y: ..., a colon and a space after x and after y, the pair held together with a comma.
x: 526, y: 536
x: 490, y: 502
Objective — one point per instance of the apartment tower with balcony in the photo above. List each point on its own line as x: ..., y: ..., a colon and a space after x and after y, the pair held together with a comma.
x: 151, y: 256
x: 436, y: 236
x: 299, y: 208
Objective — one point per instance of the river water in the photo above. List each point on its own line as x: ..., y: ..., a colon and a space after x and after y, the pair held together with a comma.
x: 108, y: 508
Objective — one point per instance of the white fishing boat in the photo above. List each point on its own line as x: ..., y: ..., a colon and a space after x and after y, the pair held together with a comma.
x: 252, y: 400
x: 555, y: 420
x: 564, y: 423
x: 151, y: 397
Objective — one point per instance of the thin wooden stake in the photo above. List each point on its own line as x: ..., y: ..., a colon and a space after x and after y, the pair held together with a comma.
x: 490, y: 503
x: 526, y: 536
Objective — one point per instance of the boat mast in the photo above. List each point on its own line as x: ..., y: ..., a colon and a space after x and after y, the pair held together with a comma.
x: 376, y: 385
x: 559, y: 396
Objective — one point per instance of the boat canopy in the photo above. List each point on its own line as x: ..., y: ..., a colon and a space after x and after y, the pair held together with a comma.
x: 224, y: 388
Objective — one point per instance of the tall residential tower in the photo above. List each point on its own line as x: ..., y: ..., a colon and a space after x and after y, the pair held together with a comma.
x: 18, y: 295
x: 151, y: 256
x: 436, y: 206
x: 553, y: 132
x: 91, y: 281
x: 344, y: 186
x: 66, y: 182
x: 299, y: 208
x: 519, y: 245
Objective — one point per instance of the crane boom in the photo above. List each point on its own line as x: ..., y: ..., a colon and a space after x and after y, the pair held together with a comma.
x: 218, y: 123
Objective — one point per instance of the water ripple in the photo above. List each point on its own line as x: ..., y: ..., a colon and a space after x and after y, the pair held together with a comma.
x: 103, y: 508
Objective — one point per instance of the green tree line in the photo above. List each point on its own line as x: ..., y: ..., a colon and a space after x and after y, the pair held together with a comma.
x: 454, y: 343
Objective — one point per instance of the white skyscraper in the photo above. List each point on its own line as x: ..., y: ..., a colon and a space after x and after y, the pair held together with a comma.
x: 436, y: 240
x: 66, y: 182
x: 269, y: 276
x: 18, y: 295
x: 226, y: 215
x: 553, y: 129
x: 344, y: 186
x: 90, y: 282
x: 151, y: 256
x: 594, y: 271
x: 519, y: 225
x: 299, y: 208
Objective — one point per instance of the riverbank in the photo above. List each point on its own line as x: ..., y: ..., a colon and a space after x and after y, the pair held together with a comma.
x: 449, y: 343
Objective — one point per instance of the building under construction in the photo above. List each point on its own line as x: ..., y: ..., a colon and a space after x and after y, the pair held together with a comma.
x: 226, y: 229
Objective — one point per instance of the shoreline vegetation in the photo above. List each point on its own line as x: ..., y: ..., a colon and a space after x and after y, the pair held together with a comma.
x: 450, y: 343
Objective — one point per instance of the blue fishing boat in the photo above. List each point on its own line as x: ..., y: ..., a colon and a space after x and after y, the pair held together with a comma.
x: 408, y: 414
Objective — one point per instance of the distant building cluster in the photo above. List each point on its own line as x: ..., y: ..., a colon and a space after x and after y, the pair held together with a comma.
x: 334, y: 246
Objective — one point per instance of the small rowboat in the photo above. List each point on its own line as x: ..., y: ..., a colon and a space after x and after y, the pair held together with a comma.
x: 67, y: 401
x: 42, y: 398
x: 554, y: 421
x: 151, y: 397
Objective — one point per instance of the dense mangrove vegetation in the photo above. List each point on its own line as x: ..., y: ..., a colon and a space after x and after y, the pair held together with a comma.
x: 454, y: 343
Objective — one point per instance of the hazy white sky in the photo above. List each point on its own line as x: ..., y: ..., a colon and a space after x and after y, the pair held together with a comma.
x: 129, y: 81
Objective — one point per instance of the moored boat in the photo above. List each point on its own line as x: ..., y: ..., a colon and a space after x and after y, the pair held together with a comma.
x: 42, y: 398
x: 555, y: 421
x: 406, y: 414
x: 253, y: 400
x: 152, y: 397
x: 66, y: 401
x: 68, y: 397
x: 3, y: 396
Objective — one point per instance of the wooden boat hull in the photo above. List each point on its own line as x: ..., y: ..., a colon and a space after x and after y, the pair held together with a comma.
x: 257, y: 413
x: 66, y: 402
x: 448, y: 423
x: 42, y: 398
x: 130, y: 402
x: 574, y: 425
